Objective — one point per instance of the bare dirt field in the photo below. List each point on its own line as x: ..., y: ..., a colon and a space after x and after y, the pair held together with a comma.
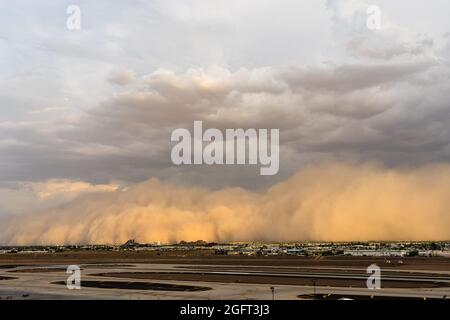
x: 206, y: 257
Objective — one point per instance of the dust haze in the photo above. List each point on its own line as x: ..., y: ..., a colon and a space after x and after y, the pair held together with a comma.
x: 329, y: 201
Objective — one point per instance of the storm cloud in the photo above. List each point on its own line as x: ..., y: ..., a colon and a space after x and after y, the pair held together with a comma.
x: 89, y: 114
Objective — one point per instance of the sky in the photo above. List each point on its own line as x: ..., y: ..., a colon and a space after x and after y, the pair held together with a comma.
x: 86, y: 117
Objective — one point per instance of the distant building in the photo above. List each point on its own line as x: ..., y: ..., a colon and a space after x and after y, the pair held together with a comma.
x: 130, y: 244
x: 376, y: 253
x: 294, y: 251
x: 435, y: 253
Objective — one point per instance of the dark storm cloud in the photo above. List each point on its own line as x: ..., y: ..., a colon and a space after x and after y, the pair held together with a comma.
x: 98, y: 111
x: 390, y: 113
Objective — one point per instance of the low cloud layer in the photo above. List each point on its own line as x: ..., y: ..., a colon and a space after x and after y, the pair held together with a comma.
x: 331, y: 201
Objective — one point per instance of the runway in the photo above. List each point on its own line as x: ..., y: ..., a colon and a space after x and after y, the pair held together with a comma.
x: 39, y: 282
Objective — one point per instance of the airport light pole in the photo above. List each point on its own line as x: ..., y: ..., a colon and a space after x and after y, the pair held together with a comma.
x: 314, y: 287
